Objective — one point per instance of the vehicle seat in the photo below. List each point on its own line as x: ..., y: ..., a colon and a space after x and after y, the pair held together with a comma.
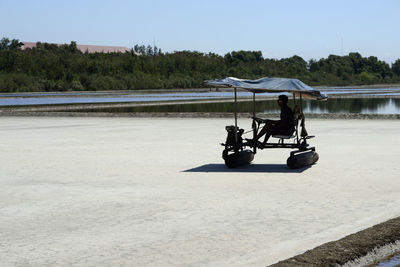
x: 285, y: 136
x: 297, y: 117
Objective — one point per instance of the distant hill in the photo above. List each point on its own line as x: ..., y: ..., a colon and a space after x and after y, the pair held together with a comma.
x: 86, y: 48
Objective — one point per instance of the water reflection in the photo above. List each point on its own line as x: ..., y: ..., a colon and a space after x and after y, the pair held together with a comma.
x: 394, y: 261
x: 338, y: 105
x: 355, y: 105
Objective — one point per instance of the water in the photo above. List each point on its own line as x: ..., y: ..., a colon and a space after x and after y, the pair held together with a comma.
x: 394, y: 261
x: 18, y: 99
x: 354, y: 105
x: 107, y: 94
x: 334, y: 105
x: 87, y: 100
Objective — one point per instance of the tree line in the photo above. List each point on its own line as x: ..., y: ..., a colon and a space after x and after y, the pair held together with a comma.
x: 51, y: 67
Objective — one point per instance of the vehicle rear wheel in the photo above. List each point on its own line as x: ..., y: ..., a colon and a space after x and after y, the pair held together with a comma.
x: 240, y: 158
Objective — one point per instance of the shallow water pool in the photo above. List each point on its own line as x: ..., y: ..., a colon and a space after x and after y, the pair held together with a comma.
x: 334, y: 105
x: 18, y: 99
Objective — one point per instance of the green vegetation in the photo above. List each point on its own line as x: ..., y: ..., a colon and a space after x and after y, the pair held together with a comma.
x: 49, y: 67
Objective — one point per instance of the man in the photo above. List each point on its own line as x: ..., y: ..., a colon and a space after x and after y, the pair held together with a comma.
x: 284, y: 126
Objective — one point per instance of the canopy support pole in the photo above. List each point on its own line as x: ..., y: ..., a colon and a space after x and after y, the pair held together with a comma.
x: 296, y: 114
x: 302, y: 116
x: 294, y: 101
x: 236, y: 137
x: 254, y: 104
x: 254, y: 123
x: 301, y: 104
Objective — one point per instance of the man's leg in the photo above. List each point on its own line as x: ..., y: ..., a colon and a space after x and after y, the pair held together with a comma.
x: 270, y: 130
x: 263, y: 131
x: 267, y: 136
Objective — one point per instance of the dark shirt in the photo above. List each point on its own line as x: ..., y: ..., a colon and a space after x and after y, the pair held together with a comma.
x: 287, y: 118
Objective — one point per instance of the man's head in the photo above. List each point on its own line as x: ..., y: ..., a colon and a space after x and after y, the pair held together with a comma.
x: 282, y: 100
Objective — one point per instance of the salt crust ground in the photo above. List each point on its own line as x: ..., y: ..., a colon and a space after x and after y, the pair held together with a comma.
x: 155, y: 192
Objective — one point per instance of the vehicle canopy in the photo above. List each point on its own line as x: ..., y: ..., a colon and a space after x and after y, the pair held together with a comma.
x: 270, y: 85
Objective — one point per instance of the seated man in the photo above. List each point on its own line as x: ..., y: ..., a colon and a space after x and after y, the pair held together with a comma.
x: 284, y: 126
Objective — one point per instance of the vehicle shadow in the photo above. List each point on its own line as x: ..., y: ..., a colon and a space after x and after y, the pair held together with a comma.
x: 267, y: 168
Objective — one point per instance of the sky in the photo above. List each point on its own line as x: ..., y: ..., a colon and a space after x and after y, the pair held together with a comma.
x: 312, y: 29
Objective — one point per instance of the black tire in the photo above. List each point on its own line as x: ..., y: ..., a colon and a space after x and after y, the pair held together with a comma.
x: 301, y: 160
x: 315, y: 157
x: 238, y: 159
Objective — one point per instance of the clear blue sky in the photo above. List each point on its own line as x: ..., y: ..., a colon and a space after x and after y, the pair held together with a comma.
x: 308, y: 28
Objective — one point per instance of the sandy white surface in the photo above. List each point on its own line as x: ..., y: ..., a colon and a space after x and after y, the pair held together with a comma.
x: 155, y: 192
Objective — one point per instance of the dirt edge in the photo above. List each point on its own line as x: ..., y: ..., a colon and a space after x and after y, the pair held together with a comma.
x: 349, y: 249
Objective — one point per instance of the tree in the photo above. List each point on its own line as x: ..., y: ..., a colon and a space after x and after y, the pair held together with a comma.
x: 356, y: 60
x: 149, y: 50
x: 15, y: 44
x: 73, y: 48
x: 140, y: 49
x: 366, y: 77
x: 6, y: 44
x: 396, y: 67
x: 53, y: 67
x: 236, y: 57
x: 311, y: 65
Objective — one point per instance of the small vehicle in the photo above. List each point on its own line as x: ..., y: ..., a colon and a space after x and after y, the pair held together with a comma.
x: 238, y: 152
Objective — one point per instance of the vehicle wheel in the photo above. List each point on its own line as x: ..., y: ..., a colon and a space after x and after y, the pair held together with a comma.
x: 238, y: 159
x: 301, y: 160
